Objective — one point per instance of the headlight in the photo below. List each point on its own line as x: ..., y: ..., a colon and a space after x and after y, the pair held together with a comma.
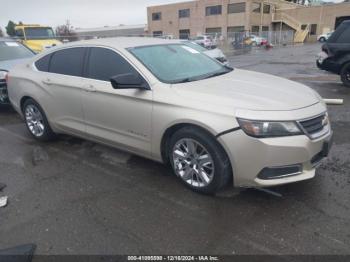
x: 3, y: 75
x: 263, y: 129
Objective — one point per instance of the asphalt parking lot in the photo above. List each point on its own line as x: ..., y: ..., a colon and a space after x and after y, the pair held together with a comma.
x: 76, y: 197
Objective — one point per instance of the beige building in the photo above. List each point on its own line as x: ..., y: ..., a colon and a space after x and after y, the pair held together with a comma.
x: 225, y: 17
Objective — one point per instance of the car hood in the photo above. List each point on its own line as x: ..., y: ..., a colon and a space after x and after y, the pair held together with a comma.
x: 243, y: 89
x: 215, y: 53
x: 42, y: 44
x: 8, y: 64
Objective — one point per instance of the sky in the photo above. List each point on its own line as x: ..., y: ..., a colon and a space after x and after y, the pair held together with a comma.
x: 80, y: 13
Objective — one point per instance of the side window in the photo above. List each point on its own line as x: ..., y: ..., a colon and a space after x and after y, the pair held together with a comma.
x: 43, y: 63
x: 19, y: 33
x: 68, y: 62
x: 105, y: 63
x: 344, y: 36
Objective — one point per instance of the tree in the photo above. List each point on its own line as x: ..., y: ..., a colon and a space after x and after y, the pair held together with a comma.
x: 10, y: 28
x: 1, y: 33
x: 66, y: 31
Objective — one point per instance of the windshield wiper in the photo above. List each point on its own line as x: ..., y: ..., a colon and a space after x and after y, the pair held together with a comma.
x: 191, y: 79
x: 229, y: 69
x: 185, y: 80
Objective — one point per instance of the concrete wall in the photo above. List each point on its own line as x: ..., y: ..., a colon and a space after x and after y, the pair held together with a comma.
x: 198, y: 21
x: 324, y: 16
x: 112, y: 31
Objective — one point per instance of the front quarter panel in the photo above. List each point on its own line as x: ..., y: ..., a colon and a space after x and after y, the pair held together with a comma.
x: 170, y: 109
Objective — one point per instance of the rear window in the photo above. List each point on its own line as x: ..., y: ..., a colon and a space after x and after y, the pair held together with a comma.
x: 68, y: 62
x: 341, y: 34
x: 43, y: 63
x: 344, y: 36
x: 11, y: 50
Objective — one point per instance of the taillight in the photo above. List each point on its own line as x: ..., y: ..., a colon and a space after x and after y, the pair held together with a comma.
x: 7, y: 78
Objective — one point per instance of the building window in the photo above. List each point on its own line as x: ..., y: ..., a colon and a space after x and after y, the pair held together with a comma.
x: 265, y: 29
x: 157, y: 33
x: 256, y: 7
x: 266, y: 9
x: 157, y: 16
x: 184, y: 13
x: 313, y: 29
x: 214, y: 32
x: 255, y: 29
x: 213, y: 10
x: 184, y: 34
x: 236, y: 8
x: 235, y: 29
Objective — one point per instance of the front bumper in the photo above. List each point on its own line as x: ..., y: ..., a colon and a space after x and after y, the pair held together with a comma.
x: 328, y: 64
x: 250, y: 156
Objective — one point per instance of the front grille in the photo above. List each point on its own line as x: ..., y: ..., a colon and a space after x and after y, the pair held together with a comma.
x: 314, y: 125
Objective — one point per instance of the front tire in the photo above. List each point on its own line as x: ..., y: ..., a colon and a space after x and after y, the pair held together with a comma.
x: 36, y: 121
x: 322, y: 40
x: 199, y: 161
x: 345, y: 75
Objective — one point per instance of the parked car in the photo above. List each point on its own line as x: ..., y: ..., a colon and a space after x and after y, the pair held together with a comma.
x: 324, y: 37
x: 205, y: 41
x: 335, y: 55
x: 213, y: 53
x: 168, y: 102
x: 257, y: 40
x: 36, y: 37
x: 11, y: 53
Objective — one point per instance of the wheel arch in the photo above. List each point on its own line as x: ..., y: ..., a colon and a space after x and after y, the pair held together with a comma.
x: 177, y: 126
x: 344, y: 62
x: 23, y: 100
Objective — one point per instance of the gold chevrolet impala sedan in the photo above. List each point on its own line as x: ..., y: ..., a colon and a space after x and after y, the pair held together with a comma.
x: 166, y: 101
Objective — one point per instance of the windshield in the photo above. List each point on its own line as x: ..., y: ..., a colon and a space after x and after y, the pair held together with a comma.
x: 39, y: 33
x: 12, y: 50
x: 195, y: 46
x: 178, y: 63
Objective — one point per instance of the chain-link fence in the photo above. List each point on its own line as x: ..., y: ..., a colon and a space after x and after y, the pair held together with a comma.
x: 249, y: 40
x: 232, y: 42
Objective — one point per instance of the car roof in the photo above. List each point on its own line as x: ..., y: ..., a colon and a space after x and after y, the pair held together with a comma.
x: 125, y: 42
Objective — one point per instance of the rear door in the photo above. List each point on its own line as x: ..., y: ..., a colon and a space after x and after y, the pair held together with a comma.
x: 121, y: 117
x: 64, y: 86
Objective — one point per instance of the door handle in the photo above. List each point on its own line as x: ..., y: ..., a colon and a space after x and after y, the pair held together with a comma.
x: 89, y: 88
x: 47, y: 81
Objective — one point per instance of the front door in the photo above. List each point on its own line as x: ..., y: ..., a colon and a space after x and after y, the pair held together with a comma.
x: 121, y: 117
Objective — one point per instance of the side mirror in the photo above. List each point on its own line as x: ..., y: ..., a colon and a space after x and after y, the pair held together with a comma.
x: 129, y: 81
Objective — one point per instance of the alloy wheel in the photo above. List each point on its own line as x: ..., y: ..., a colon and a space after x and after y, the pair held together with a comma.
x: 193, y: 163
x: 34, y: 120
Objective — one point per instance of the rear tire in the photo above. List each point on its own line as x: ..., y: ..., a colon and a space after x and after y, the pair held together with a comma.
x: 345, y: 74
x: 199, y: 160
x: 36, y: 121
